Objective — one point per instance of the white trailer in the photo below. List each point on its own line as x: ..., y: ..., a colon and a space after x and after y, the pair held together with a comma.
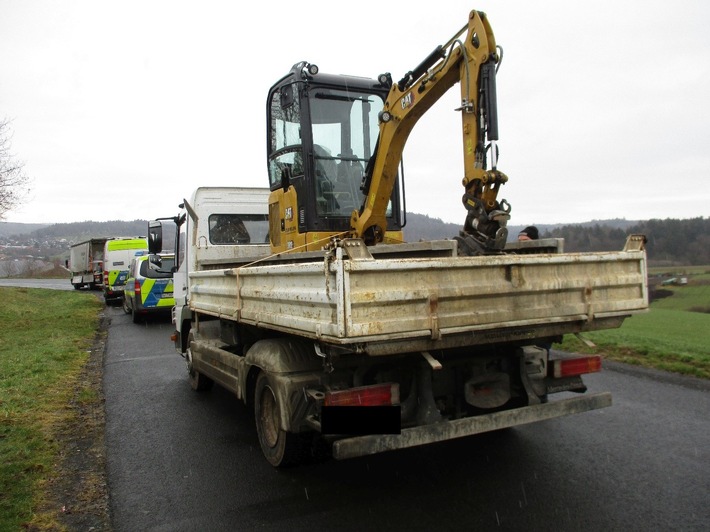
x: 86, y: 260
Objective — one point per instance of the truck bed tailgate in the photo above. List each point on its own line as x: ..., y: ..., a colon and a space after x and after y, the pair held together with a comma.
x: 429, y: 298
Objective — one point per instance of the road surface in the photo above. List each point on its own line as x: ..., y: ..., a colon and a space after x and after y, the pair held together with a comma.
x: 53, y: 284
x: 180, y: 461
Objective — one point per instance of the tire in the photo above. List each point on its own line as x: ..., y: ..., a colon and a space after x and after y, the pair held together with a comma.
x: 198, y: 381
x: 280, y: 448
x: 136, y: 317
x: 126, y: 308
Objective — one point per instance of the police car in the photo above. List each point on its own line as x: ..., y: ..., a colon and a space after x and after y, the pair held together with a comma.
x: 149, y: 287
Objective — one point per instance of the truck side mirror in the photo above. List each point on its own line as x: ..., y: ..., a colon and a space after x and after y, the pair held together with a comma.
x: 155, y: 237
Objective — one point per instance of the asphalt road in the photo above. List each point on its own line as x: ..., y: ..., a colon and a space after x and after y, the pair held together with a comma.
x: 52, y: 284
x: 180, y: 460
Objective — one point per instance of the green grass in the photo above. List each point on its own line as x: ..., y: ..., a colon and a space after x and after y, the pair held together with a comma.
x: 673, y: 336
x: 695, y: 296
x: 44, y: 343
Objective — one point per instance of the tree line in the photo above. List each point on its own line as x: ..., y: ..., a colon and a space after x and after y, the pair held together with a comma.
x: 669, y: 242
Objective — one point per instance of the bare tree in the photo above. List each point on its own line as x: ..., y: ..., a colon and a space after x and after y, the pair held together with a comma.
x: 13, y: 180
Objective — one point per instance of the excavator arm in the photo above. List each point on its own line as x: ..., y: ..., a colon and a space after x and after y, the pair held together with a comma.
x: 471, y: 63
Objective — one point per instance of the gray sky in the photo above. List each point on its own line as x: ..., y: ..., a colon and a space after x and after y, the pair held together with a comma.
x: 121, y: 109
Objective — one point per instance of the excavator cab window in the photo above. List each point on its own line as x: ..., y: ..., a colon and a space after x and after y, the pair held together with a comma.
x: 285, y: 137
x: 344, y: 129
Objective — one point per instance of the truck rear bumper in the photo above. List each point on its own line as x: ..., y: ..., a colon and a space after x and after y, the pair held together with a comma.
x: 448, y: 430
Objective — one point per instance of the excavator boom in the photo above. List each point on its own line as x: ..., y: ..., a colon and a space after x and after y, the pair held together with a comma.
x: 472, y: 63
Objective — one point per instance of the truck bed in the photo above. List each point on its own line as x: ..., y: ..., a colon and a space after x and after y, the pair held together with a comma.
x: 406, y: 298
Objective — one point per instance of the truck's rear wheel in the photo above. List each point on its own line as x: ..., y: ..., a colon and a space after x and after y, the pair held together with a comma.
x: 198, y: 381
x: 280, y: 448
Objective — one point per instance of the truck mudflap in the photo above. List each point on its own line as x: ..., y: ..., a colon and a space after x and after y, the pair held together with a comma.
x: 448, y: 430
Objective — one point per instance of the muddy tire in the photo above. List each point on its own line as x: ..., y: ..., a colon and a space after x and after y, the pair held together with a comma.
x: 198, y: 381
x: 280, y: 448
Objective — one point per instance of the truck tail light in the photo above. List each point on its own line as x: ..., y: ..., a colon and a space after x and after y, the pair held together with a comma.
x: 575, y: 366
x: 376, y: 395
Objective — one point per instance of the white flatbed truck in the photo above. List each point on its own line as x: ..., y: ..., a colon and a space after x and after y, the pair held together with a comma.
x: 446, y: 345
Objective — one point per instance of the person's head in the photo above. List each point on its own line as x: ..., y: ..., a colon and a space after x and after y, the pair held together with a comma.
x: 529, y: 233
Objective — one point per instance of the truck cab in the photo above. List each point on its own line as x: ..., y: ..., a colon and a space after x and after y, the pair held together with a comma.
x: 216, y: 226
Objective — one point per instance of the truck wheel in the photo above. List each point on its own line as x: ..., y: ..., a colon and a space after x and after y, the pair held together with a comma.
x: 280, y: 448
x: 198, y: 381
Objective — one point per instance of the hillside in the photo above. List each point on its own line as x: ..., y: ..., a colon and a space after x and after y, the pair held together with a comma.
x: 9, y: 229
x: 670, y: 241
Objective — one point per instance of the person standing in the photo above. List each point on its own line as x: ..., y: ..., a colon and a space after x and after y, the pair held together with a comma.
x: 529, y: 233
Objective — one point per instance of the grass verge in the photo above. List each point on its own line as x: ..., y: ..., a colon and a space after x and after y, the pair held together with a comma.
x: 45, y: 344
x: 671, y: 340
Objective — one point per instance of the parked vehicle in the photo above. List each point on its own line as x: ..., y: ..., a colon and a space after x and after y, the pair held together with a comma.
x: 340, y: 333
x: 149, y: 286
x: 86, y: 260
x: 118, y: 253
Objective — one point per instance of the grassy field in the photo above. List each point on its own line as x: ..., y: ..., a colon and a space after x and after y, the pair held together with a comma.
x: 674, y: 335
x: 44, y: 344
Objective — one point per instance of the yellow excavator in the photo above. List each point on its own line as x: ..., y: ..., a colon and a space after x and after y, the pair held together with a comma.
x: 335, y: 143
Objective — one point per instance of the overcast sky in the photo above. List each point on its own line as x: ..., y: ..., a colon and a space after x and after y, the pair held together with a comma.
x: 120, y: 109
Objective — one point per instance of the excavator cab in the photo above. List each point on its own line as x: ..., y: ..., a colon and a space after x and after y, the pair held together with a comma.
x: 322, y: 131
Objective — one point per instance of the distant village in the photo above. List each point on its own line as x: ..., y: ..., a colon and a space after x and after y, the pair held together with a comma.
x: 25, y: 255
x: 33, y: 249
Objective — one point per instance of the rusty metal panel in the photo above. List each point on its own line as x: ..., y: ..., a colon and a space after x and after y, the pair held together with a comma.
x: 344, y: 301
x: 302, y: 298
x: 455, y: 294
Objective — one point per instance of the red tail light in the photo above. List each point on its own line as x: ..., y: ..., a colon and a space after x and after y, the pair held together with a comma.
x: 137, y: 286
x: 575, y: 366
x: 376, y: 395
